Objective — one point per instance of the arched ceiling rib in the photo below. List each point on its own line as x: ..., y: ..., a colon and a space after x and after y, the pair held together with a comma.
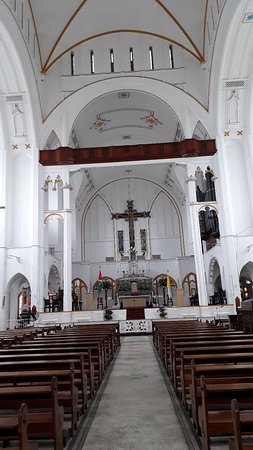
x: 62, y: 25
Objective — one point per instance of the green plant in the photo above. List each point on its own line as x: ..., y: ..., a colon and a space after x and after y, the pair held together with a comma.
x: 108, y: 314
x: 162, y: 312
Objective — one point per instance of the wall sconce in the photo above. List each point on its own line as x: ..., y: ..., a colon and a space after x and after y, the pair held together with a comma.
x: 57, y: 180
x: 46, y: 183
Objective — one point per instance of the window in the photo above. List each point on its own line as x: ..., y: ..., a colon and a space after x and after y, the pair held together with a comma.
x: 22, y: 15
x: 92, y: 61
x: 171, y: 57
x: 131, y: 56
x: 72, y: 61
x: 151, y: 58
x: 112, y: 59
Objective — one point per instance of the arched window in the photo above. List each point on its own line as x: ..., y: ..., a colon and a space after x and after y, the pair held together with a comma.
x: 189, y: 284
x: 79, y: 289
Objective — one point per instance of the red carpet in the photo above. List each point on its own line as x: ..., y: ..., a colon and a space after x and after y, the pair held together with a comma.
x: 135, y: 313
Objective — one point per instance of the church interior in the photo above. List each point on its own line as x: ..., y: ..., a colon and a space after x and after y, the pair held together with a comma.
x: 125, y: 181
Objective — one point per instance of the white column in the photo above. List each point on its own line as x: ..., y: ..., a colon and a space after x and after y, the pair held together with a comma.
x: 67, y: 244
x: 37, y: 260
x: 3, y: 174
x: 228, y: 239
x: 197, y: 246
x: 67, y: 262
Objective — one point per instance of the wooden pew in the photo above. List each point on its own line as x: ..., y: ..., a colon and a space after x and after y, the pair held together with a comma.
x: 16, y: 426
x: 91, y: 357
x: 177, y: 345
x: 191, y: 336
x: 67, y: 391
x: 215, y: 374
x: 45, y: 417
x: 210, y: 358
x: 198, y: 349
x: 240, y: 419
x: 215, y: 415
x: 54, y: 364
x: 96, y: 347
x: 179, y: 328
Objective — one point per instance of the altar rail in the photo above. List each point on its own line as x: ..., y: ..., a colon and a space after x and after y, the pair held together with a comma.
x: 142, y: 326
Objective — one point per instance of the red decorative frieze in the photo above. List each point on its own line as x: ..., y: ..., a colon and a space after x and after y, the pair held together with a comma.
x: 186, y: 148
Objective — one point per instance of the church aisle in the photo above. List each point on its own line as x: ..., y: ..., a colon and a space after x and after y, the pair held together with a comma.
x: 135, y: 412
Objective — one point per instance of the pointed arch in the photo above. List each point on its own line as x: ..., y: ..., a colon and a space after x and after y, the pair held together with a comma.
x: 94, y: 226
x: 189, y: 284
x: 52, y: 141
x: 161, y: 190
x: 200, y: 132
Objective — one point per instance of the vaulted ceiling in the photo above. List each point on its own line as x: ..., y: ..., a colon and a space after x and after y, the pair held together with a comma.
x: 63, y: 24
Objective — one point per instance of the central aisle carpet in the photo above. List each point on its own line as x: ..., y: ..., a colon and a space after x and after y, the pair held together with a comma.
x: 135, y: 412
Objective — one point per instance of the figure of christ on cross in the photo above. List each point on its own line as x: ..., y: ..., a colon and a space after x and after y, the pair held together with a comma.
x: 130, y: 215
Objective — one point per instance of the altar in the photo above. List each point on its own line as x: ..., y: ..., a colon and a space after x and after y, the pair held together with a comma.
x: 138, y: 301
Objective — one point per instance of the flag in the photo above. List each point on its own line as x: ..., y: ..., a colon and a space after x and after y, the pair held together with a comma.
x: 100, y: 282
x: 169, y: 286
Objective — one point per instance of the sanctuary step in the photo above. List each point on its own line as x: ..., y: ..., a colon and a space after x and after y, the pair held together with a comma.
x: 135, y: 313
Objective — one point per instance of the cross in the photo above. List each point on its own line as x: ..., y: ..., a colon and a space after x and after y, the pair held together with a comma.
x: 130, y: 215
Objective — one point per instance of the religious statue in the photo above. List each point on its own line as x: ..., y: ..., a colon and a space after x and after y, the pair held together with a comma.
x: 143, y: 241
x: 120, y: 241
x: 130, y: 215
x: 134, y: 288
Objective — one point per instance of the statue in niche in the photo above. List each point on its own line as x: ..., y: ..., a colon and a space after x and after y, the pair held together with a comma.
x: 134, y: 288
x: 233, y: 108
x: 18, y: 121
x: 143, y: 236
x: 120, y: 242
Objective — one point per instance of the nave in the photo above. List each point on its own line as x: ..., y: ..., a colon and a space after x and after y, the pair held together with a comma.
x: 136, y: 411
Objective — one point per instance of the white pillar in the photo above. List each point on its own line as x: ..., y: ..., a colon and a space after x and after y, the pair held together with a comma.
x: 197, y: 245
x: 228, y: 239
x: 199, y: 261
x: 37, y: 272
x: 67, y: 262
x: 3, y: 181
x: 67, y: 244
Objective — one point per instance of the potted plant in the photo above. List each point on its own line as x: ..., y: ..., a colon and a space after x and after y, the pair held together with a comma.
x: 108, y: 314
x: 162, y: 312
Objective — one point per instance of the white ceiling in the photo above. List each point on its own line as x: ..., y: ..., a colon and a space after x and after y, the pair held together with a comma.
x: 170, y: 176
x: 62, y: 24
x: 124, y: 118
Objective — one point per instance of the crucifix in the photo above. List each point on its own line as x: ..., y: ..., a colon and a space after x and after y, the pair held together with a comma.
x: 130, y: 215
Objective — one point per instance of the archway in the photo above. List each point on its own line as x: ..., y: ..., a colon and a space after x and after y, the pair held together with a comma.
x: 53, y: 280
x: 190, y: 288
x: 246, y: 281
x: 18, y: 299
x: 108, y: 293
x: 79, y: 289
x: 161, y: 291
